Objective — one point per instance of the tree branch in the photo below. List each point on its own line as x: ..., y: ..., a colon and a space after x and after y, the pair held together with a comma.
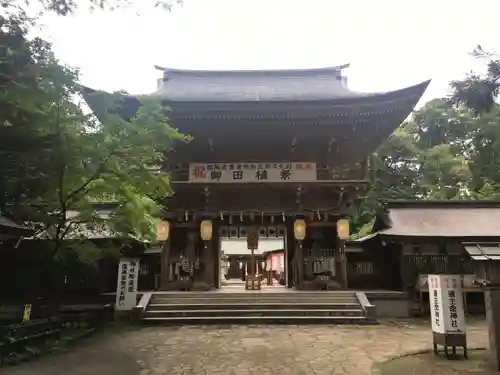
x: 92, y: 178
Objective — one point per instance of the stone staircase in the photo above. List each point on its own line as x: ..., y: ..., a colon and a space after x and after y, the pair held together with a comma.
x: 291, y: 307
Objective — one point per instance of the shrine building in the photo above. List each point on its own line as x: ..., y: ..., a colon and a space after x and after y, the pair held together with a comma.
x: 283, y: 151
x: 275, y: 155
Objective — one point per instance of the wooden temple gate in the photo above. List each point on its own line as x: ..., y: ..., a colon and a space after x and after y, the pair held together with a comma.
x: 270, y: 147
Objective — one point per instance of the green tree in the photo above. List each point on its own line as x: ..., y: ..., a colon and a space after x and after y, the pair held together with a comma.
x: 58, y: 160
x: 428, y: 157
x: 65, y: 7
x: 479, y: 92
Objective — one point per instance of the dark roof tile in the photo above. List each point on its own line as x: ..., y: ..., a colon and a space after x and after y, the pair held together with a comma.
x: 254, y: 85
x: 444, y: 220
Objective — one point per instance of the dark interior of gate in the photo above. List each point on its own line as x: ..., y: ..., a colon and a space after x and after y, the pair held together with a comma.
x: 270, y: 149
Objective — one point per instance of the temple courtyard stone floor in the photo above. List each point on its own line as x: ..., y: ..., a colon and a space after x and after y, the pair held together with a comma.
x: 243, y: 350
x: 428, y: 364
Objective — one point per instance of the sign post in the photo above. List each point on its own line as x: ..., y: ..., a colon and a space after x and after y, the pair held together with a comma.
x: 447, y: 313
x: 126, y: 290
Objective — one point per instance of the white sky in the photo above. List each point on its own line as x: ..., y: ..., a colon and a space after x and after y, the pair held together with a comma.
x: 390, y: 44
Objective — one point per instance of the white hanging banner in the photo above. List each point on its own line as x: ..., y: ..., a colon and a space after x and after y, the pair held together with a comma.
x: 252, y: 172
x: 453, y: 304
x: 446, y: 302
x: 126, y: 291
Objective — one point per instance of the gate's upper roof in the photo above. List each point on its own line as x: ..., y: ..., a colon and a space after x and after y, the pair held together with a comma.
x: 254, y: 85
x: 278, y: 106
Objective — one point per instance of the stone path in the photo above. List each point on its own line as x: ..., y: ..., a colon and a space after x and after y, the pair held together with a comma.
x: 478, y: 363
x: 241, y: 350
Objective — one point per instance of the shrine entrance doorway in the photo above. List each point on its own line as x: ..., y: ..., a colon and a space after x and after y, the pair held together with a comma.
x: 238, y: 264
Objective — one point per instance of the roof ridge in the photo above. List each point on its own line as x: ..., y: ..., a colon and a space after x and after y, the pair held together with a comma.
x: 330, y: 69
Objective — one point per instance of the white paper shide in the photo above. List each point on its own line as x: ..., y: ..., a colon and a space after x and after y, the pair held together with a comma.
x: 446, y: 302
x: 126, y: 293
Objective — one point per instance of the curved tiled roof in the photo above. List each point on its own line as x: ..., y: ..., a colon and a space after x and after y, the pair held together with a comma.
x: 254, y: 85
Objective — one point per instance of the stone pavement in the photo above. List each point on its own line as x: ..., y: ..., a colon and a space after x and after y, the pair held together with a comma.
x: 428, y: 364
x: 241, y: 350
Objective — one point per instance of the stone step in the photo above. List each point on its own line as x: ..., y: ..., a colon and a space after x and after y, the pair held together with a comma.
x: 251, y: 306
x: 313, y: 307
x: 253, y: 294
x: 248, y: 302
x: 257, y: 298
x: 256, y: 320
x: 254, y: 313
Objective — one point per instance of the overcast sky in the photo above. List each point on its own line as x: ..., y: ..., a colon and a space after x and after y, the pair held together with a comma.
x: 390, y: 44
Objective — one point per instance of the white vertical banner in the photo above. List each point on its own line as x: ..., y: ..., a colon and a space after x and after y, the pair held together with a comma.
x: 453, y: 304
x: 436, y: 303
x: 446, y: 302
x: 126, y: 290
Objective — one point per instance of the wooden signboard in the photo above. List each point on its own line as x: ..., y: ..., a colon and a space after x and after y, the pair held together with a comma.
x: 126, y: 294
x: 252, y: 238
x: 447, y: 312
x: 230, y: 173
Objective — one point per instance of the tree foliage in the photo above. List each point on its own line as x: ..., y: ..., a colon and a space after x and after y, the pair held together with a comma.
x: 66, y: 7
x: 448, y: 149
x: 58, y: 161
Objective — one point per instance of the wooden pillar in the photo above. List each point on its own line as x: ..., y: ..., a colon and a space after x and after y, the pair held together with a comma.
x: 290, y: 253
x: 192, y: 237
x: 344, y: 264
x: 214, y: 256
x: 165, y: 260
x: 299, y: 249
x: 206, y: 261
x: 492, y: 304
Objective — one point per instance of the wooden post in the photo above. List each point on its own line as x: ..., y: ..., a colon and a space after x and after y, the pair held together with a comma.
x: 215, y: 255
x: 191, y: 244
x: 492, y: 304
x: 300, y: 263
x: 165, y: 261
x: 344, y: 263
x: 290, y: 253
